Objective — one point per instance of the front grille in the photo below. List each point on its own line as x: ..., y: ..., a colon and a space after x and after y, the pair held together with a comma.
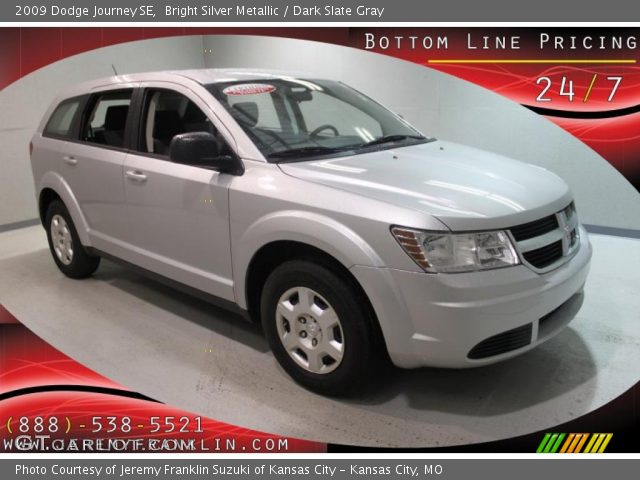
x: 549, y: 242
x: 535, y: 228
x: 544, y: 256
x: 502, y: 343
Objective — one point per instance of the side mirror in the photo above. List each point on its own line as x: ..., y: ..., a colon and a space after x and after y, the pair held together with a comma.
x: 201, y: 149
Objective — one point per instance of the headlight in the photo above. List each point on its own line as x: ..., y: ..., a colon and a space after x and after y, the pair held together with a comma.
x: 467, y: 252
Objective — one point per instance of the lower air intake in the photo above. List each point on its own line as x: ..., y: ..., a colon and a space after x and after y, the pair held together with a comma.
x: 502, y: 343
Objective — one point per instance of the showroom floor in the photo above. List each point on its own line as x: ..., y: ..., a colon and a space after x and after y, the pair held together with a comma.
x: 184, y: 352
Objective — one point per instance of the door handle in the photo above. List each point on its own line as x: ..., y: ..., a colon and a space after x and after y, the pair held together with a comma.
x: 136, y: 176
x: 70, y: 160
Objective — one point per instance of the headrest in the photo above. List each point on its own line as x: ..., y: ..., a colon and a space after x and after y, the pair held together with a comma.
x: 166, y: 124
x: 116, y: 117
x: 193, y: 114
x: 248, y: 112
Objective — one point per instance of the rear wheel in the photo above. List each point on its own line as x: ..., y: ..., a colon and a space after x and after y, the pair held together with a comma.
x: 70, y: 256
x: 319, y: 328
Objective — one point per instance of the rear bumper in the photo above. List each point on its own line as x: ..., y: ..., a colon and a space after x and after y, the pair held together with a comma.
x: 473, y: 319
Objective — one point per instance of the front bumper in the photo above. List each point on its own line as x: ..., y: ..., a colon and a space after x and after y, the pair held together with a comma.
x: 467, y: 319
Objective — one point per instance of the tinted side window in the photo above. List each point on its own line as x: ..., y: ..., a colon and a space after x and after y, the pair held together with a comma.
x: 167, y: 114
x: 106, y: 121
x: 61, y: 122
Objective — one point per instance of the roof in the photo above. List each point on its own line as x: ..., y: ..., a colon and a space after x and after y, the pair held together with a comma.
x: 203, y: 76
x: 215, y: 75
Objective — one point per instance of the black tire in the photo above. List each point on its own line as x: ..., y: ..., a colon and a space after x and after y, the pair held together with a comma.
x: 82, y: 264
x: 361, y: 358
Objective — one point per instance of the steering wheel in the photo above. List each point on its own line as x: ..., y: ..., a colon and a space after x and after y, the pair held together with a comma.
x: 275, y: 136
x: 322, y: 128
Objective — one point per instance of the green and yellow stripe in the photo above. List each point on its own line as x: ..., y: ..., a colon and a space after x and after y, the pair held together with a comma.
x: 574, y: 443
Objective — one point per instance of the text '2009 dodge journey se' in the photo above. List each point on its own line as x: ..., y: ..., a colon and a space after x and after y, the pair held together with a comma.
x: 311, y: 208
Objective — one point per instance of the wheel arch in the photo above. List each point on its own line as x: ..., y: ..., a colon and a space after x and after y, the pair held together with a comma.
x: 312, y: 233
x: 47, y: 195
x: 53, y: 187
x: 275, y: 253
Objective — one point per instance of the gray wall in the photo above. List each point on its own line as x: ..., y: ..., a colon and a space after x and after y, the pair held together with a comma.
x: 23, y: 103
x: 451, y: 109
x: 436, y: 103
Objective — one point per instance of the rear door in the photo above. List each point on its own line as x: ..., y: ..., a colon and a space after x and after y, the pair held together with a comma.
x: 93, y: 166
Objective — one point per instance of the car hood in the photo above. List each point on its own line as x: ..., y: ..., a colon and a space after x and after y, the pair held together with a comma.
x: 463, y: 187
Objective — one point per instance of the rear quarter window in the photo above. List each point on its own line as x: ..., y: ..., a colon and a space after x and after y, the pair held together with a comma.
x: 62, y: 121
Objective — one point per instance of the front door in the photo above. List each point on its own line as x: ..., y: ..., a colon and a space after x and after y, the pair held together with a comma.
x: 178, y: 214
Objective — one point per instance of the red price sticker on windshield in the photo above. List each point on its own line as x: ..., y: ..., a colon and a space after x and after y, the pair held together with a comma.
x: 249, y: 89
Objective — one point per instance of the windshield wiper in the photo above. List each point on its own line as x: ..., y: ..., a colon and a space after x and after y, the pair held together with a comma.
x: 390, y: 139
x: 321, y: 150
x: 307, y: 151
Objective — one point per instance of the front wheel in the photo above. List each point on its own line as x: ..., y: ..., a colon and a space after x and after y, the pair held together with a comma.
x: 70, y: 256
x: 319, y: 328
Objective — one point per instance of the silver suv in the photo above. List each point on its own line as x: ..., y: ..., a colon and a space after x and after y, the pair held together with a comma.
x: 310, y: 208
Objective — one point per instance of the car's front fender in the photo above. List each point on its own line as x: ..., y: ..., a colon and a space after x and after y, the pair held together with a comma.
x: 313, y: 229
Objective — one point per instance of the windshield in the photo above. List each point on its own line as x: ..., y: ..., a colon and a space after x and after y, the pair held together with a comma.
x: 293, y: 119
